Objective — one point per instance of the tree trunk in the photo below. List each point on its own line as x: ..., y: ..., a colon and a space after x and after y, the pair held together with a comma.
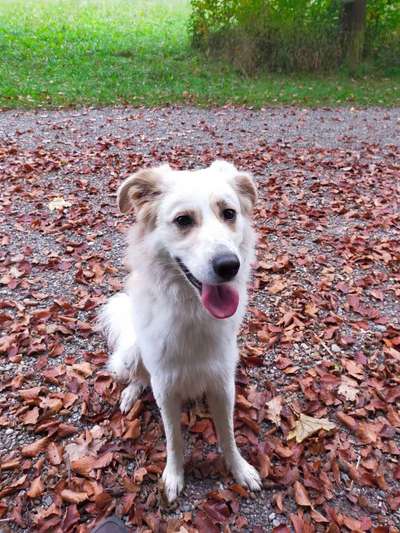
x: 353, y: 28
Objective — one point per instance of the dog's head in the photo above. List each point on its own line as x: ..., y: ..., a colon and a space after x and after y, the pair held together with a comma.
x: 201, y: 219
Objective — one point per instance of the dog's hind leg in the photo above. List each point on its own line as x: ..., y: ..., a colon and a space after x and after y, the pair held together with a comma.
x: 125, y: 361
x: 116, y: 320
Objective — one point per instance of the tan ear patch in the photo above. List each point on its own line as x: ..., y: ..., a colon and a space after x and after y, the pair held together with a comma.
x: 138, y: 190
x: 247, y: 191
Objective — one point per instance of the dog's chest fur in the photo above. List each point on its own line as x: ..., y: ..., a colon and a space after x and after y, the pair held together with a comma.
x: 180, y: 345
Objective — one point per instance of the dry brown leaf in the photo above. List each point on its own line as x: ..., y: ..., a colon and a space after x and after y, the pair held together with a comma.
x: 307, y: 426
x: 31, y: 417
x: 133, y: 430
x: 53, y: 405
x: 347, y: 420
x: 104, y: 460
x: 265, y: 465
x: 277, y: 498
x: 12, y: 487
x: 54, y: 453
x: 84, y: 368
x: 318, y: 517
x: 58, y: 203
x: 277, y: 286
x: 139, y: 474
x: 36, y: 489
x: 352, y: 523
x: 31, y: 450
x: 69, y: 399
x: 77, y: 449
x: 300, y: 495
x: 281, y: 529
x: 368, y: 433
x: 30, y: 394
x: 87, y: 444
x: 311, y: 309
x: 10, y: 464
x: 83, y: 465
x: 73, y: 497
x: 348, y: 388
x: 274, y: 409
x: 354, y: 369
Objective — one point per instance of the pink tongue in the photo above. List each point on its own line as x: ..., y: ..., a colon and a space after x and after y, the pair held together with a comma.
x: 221, y: 301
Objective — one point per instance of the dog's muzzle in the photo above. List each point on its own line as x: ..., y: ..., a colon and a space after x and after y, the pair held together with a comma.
x: 194, y: 281
x: 220, y: 300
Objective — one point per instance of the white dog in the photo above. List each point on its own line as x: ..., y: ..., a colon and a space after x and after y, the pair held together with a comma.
x: 176, y: 323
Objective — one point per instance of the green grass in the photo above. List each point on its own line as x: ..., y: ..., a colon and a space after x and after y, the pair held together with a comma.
x: 102, y: 52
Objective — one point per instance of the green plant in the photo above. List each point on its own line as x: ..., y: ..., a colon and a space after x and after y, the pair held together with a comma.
x: 284, y: 35
x: 92, y: 52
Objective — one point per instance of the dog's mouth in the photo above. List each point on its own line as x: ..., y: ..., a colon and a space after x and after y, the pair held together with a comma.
x: 221, y: 301
x: 194, y: 281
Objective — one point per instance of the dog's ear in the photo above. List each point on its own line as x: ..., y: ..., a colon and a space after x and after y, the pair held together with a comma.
x: 246, y: 190
x: 242, y: 182
x: 137, y: 190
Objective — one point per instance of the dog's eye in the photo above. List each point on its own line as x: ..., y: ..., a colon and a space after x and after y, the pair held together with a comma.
x: 229, y: 214
x: 184, y: 221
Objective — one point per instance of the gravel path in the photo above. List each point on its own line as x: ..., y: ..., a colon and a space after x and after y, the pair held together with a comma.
x: 324, y: 316
x: 201, y: 128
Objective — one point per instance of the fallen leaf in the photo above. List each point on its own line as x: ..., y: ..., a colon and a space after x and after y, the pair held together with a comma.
x: 348, y: 388
x: 31, y: 450
x: 84, y: 368
x: 53, y: 405
x: 307, y: 426
x: 354, y: 369
x: 54, y: 453
x: 36, y: 489
x: 73, y: 497
x: 347, y: 420
x: 31, y: 417
x: 277, y: 286
x: 12, y: 487
x: 318, y: 517
x: 281, y: 529
x: 300, y: 495
x: 274, y: 408
x: 58, y: 203
x: 133, y: 429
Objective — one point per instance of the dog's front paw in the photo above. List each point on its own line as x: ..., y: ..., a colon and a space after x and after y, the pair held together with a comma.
x: 173, y: 482
x: 246, y: 475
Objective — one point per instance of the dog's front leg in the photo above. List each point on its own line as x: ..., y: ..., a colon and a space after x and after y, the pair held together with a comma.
x: 173, y: 480
x: 221, y: 403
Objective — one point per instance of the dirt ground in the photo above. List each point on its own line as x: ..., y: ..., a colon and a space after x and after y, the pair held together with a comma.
x: 321, y: 337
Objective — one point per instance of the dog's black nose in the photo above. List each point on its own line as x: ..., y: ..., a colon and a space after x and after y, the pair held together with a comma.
x: 226, y: 266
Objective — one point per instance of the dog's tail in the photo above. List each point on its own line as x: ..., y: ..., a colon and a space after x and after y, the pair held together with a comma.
x: 116, y: 321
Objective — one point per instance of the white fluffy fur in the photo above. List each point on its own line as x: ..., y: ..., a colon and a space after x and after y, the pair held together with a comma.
x: 159, y: 330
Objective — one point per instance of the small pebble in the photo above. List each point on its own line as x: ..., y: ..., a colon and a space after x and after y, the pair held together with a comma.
x: 335, y: 348
x: 47, y: 500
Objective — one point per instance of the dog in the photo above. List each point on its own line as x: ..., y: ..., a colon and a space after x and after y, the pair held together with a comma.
x: 175, y: 325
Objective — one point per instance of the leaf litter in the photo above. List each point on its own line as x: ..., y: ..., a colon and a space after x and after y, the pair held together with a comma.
x: 318, y: 386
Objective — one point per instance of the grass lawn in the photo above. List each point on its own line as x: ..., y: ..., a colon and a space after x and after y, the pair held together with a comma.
x: 101, y: 52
